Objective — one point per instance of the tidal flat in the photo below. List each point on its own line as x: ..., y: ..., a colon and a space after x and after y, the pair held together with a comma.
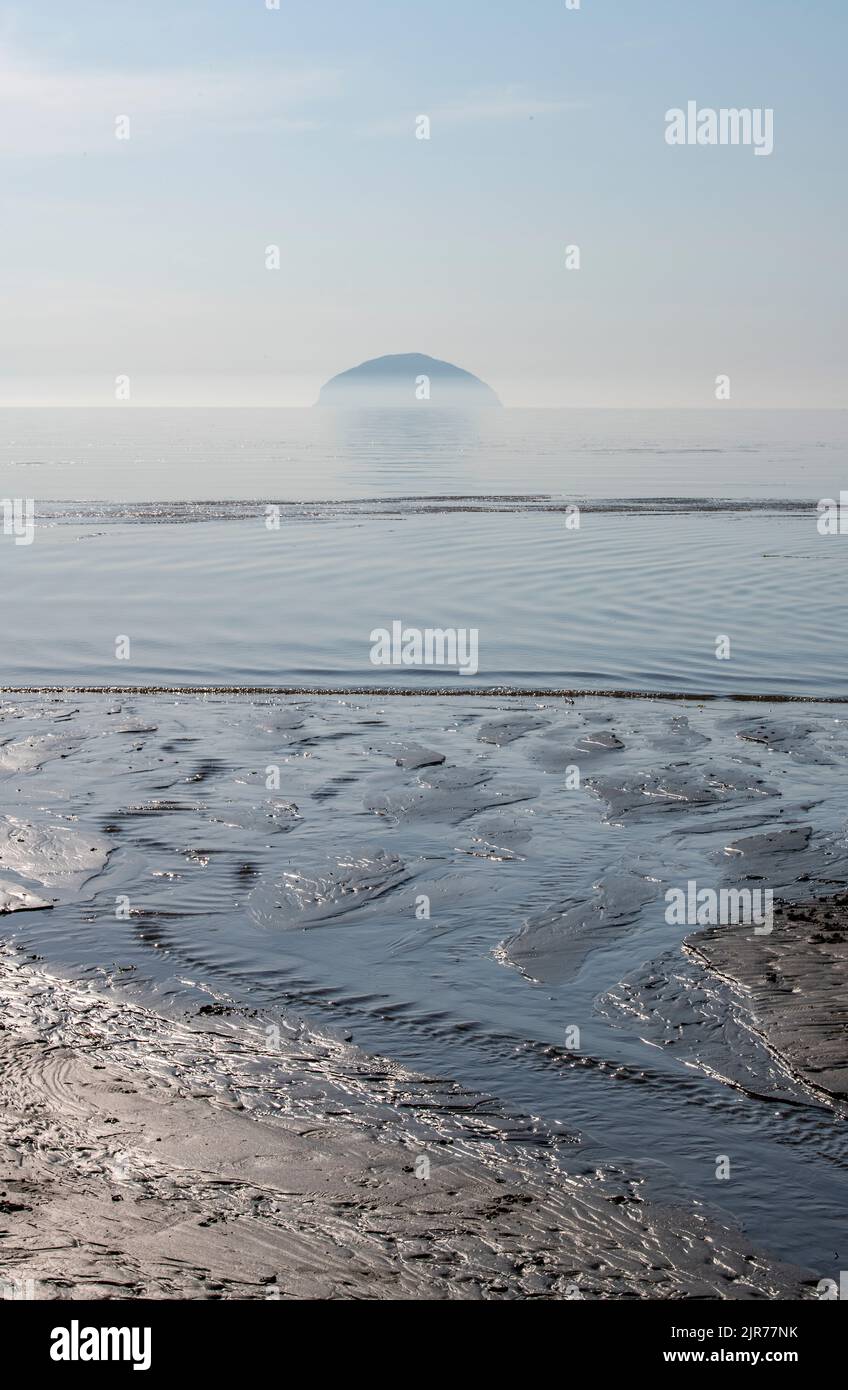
x: 372, y: 997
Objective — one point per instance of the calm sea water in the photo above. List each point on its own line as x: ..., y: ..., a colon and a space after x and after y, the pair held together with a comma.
x: 152, y: 524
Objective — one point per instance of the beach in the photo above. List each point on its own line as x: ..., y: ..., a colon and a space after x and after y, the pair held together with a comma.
x: 301, y: 997
x: 130, y: 1168
x: 794, y: 984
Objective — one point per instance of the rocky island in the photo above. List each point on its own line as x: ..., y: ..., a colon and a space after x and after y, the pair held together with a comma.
x: 407, y: 379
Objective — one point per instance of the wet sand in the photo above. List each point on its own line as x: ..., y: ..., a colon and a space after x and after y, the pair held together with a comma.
x: 793, y: 984
x: 153, y: 1142
x: 125, y: 1175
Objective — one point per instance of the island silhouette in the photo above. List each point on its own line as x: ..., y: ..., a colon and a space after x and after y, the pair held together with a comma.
x: 406, y: 379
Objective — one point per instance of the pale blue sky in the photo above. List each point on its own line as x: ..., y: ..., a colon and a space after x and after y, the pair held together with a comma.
x: 252, y: 126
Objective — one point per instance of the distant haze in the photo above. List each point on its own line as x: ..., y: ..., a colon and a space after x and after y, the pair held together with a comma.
x: 230, y: 205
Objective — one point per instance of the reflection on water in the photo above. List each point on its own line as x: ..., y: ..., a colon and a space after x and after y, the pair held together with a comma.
x: 165, y: 455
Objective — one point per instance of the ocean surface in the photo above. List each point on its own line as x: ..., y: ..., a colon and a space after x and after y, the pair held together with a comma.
x: 153, y: 525
x: 301, y: 901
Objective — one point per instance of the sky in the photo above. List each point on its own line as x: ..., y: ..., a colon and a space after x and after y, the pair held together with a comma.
x: 252, y: 127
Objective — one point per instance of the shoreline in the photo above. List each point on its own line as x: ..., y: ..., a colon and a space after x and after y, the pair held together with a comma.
x: 491, y: 692
x: 790, y: 983
x: 177, y: 1154
x: 117, y: 1181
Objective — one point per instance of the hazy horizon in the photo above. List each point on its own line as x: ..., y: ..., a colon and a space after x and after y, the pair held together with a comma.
x: 231, y: 205
x: 195, y: 405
